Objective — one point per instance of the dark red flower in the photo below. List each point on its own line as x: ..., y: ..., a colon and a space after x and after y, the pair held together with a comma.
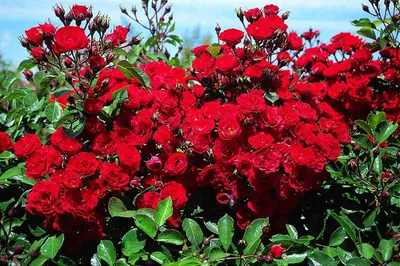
x: 176, y: 163
x: 177, y: 193
x: 26, y: 145
x: 70, y: 38
x: 231, y: 37
x: 5, y: 142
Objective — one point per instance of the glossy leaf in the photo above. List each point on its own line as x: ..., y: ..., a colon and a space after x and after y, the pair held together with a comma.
x: 52, y: 245
x: 164, y: 211
x: 106, y: 251
x: 193, y: 231
x: 225, y: 229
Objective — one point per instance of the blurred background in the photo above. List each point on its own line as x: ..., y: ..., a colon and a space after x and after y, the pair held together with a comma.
x: 195, y: 19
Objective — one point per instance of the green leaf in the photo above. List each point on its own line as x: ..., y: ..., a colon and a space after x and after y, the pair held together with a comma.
x: 319, y: 258
x: 292, y: 231
x: 131, y: 244
x: 271, y: 96
x: 356, y: 261
x: 217, y: 253
x: 213, y: 50
x: 4, y: 205
x: 117, y: 208
x: 374, y: 119
x: 95, y: 260
x: 53, y: 111
x: 164, y: 211
x: 370, y: 219
x: 39, y: 261
x: 337, y: 237
x: 253, y: 233
x: 121, y: 262
x: 363, y: 22
x: 133, y: 258
x: 147, y: 224
x: 332, y: 252
x: 367, y: 32
x: 367, y: 251
x: 15, y: 95
x: 193, y: 231
x: 158, y: 257
x: 225, y: 229
x: 343, y: 255
x: 364, y: 126
x: 52, y: 246
x: 106, y: 251
x: 25, y: 65
x: 11, y: 173
x: 386, y: 248
x: 37, y: 244
x: 384, y: 131
x: 296, y: 258
x: 378, y: 166
x: 171, y: 236
x: 345, y: 222
x: 213, y: 227
x: 131, y: 72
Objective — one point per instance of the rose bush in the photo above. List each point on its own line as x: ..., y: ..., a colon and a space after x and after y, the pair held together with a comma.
x: 257, y: 122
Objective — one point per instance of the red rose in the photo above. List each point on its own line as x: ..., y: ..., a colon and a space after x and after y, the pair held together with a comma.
x: 114, y: 177
x: 71, y: 179
x: 252, y: 102
x: 276, y: 251
x: 93, y: 106
x: 294, y: 41
x: 330, y: 146
x: 5, y: 142
x: 203, y: 126
x: 148, y: 200
x: 105, y: 144
x: 26, y: 145
x: 271, y: 9
x: 47, y: 28
x: 203, y: 62
x: 42, y: 198
x: 231, y: 36
x: 259, y: 30
x: 302, y: 156
x: 43, y: 162
x: 97, y: 62
x: 252, y: 14
x: 129, y: 156
x: 65, y: 144
x: 176, y: 163
x: 79, y: 12
x: 177, y: 193
x: 229, y: 128
x: 97, y: 187
x: 118, y: 36
x: 267, y: 161
x: 38, y: 53
x: 226, y: 63
x: 84, y: 163
x: 70, y: 38
x: 261, y: 140
x: 93, y: 127
x: 34, y: 35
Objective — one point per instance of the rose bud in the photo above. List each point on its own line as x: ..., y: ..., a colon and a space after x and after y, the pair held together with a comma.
x: 386, y: 176
x: 59, y: 11
x: 206, y: 241
x: 352, y: 165
x: 357, y: 148
x: 28, y: 74
x: 276, y: 251
x: 67, y: 62
x: 154, y: 164
x: 18, y: 249
x: 38, y: 53
x: 268, y: 258
x: 135, y: 182
x: 385, y: 194
x: 217, y: 29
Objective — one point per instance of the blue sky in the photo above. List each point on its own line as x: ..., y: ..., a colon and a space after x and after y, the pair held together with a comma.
x: 330, y: 17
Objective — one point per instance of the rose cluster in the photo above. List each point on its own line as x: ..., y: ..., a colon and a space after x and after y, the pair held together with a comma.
x: 345, y: 74
x: 255, y: 120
